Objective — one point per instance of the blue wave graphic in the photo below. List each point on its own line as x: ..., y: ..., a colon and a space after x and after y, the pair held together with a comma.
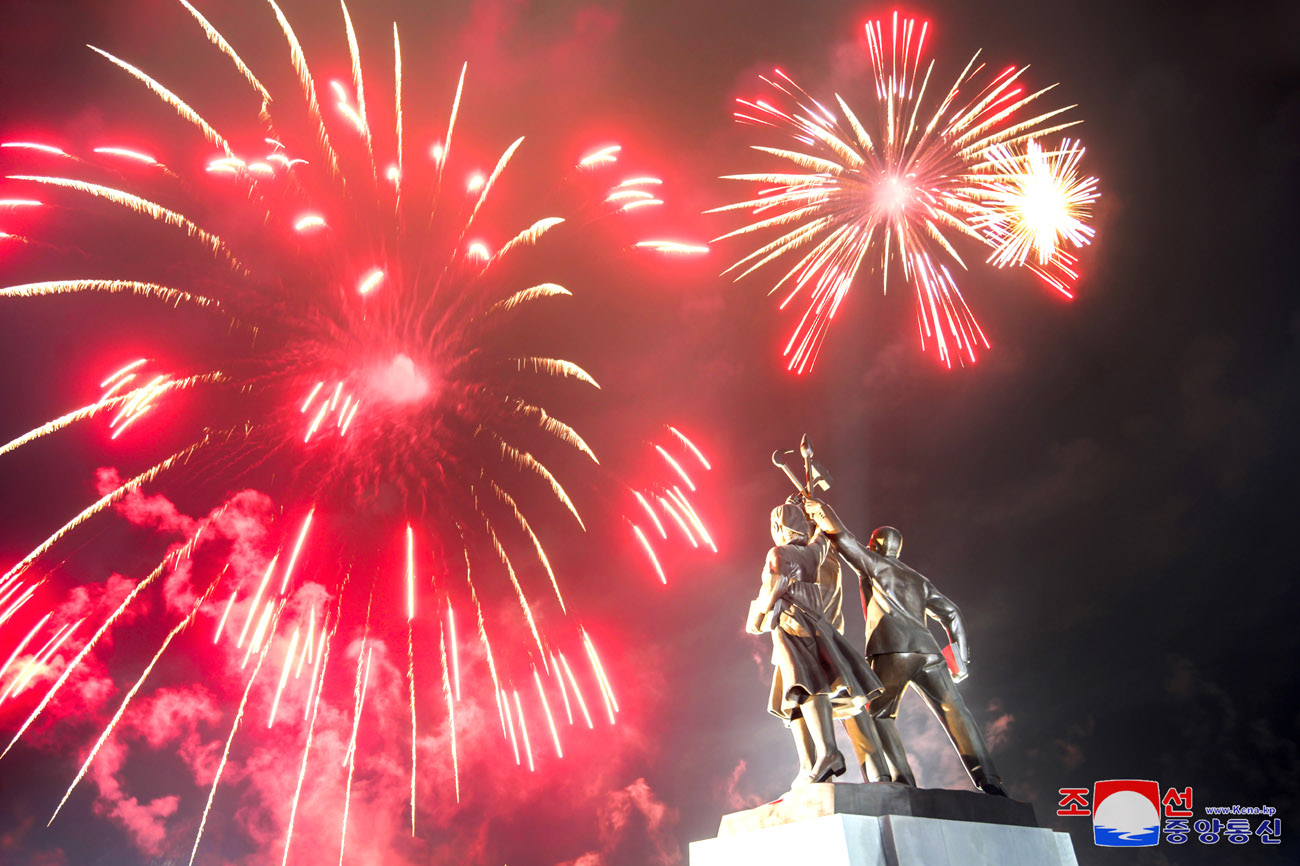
x: 1111, y: 837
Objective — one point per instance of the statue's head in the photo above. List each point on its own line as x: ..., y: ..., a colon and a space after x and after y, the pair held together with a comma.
x: 886, y: 540
x: 789, y: 523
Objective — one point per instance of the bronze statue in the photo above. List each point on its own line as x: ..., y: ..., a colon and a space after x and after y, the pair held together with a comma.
x: 819, y: 675
x: 901, y: 649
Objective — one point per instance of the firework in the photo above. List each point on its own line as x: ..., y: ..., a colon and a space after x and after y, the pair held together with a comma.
x: 362, y: 369
x: 1037, y: 204
x: 899, y: 184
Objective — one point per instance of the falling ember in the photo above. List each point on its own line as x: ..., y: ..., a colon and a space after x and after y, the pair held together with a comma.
x: 523, y: 732
x: 475, y: 182
x: 351, y: 759
x: 31, y: 145
x: 410, y: 573
x: 297, y: 548
x: 546, y: 707
x: 259, y: 632
x: 674, y: 247
x: 651, y: 512
x: 694, y: 518
x: 577, y: 692
x: 284, y: 676
x: 370, y: 282
x: 121, y: 373
x: 451, y: 723
x: 22, y: 645
x: 564, y: 692
x: 225, y: 754
x: 691, y: 445
x: 455, y: 652
x: 677, y: 467
x: 312, y: 707
x: 649, y: 551
x: 672, y: 512
x: 478, y: 251
x: 307, y: 644
x: 510, y: 723
x: 257, y: 598
x: 306, y: 222
x: 603, y: 156
x: 639, y: 181
x: 610, y: 703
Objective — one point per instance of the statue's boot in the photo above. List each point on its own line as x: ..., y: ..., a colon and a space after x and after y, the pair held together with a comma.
x: 989, y: 783
x: 804, y: 748
x: 822, y: 729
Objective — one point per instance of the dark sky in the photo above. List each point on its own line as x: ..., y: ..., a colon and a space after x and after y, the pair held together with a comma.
x: 1108, y: 495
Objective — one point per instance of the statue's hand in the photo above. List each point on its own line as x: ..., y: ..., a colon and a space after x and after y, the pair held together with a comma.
x: 819, y: 513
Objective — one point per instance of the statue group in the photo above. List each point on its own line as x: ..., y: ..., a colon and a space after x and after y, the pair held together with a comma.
x: 820, y: 677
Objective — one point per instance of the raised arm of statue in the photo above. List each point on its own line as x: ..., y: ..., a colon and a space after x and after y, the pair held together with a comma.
x: 863, y: 559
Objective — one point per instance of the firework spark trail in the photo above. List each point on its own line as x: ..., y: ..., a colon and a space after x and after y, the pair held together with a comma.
x: 691, y: 515
x: 131, y: 693
x: 168, y: 98
x: 899, y: 194
x: 537, y: 544
x: 306, y: 751
x: 166, y: 294
x: 649, y: 551
x: 308, y: 643
x: 564, y: 693
x: 141, y: 206
x: 651, y: 512
x: 611, y: 704
x: 21, y: 600
x: 297, y: 548
x: 22, y: 645
x: 677, y: 467
x: 225, y: 753
x: 550, y: 720
x: 264, y: 629
x: 691, y: 445
x: 510, y: 723
x: 577, y: 692
x: 257, y: 598
x: 524, y: 459
x: 678, y: 519
x: 284, y: 676
x: 410, y: 655
x: 352, y: 756
x: 514, y: 581
x: 38, y: 661
x: 455, y: 652
x: 168, y: 561
x: 105, y: 501
x: 451, y: 717
x: 523, y: 731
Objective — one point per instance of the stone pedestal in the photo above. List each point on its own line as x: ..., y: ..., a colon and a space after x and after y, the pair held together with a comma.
x: 883, y: 824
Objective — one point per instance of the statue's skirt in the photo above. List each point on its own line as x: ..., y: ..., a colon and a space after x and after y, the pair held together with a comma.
x: 812, y: 658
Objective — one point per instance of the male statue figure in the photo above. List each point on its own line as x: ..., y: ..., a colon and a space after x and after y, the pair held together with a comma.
x: 903, y: 652
x: 817, y: 669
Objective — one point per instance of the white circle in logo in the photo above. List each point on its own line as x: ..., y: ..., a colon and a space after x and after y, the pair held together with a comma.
x: 1127, y: 812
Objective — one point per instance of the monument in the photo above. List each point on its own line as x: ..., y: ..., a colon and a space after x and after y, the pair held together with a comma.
x: 819, y: 677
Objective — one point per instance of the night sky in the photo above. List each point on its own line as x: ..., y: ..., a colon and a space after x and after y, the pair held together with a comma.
x: 1108, y: 495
